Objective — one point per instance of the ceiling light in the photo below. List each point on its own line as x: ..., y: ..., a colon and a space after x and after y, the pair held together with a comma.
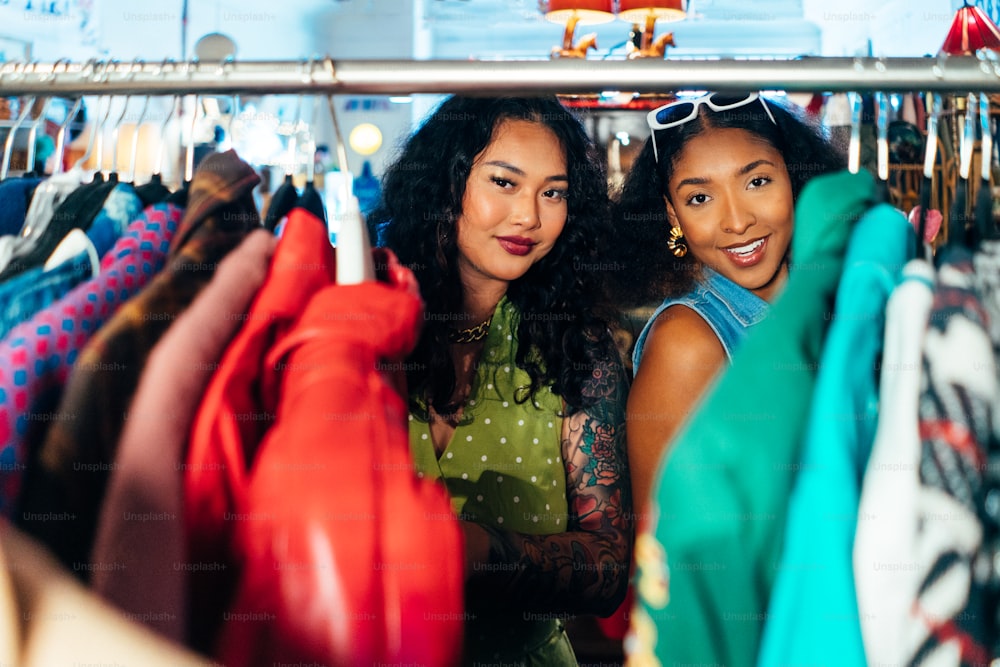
x: 971, y: 30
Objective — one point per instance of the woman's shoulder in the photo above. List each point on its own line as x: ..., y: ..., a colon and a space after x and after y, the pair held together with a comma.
x: 681, y: 337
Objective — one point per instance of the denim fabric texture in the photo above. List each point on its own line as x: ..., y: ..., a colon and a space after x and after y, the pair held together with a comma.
x: 15, y: 197
x: 36, y: 289
x: 728, y: 308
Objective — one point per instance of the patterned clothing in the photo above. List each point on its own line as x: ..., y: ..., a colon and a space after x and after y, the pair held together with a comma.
x: 36, y: 356
x: 506, y: 470
x: 987, y: 565
x: 503, y: 467
x: 36, y: 289
x: 887, y: 511
x: 28, y: 292
x: 707, y: 566
x: 957, y: 412
x: 78, y: 210
x: 78, y: 454
x: 120, y: 208
x: 812, y: 613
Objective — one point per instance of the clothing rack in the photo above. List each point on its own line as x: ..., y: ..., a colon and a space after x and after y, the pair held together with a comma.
x: 944, y: 74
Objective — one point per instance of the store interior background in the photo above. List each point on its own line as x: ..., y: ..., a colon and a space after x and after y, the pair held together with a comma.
x: 411, y: 29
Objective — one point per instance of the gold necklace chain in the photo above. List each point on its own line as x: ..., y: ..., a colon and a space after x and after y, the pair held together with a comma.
x: 472, y: 334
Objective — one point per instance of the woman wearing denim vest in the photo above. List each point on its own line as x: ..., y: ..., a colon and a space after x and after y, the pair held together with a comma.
x: 705, y: 219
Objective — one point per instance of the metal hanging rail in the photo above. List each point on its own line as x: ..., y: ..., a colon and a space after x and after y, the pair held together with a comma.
x: 956, y: 74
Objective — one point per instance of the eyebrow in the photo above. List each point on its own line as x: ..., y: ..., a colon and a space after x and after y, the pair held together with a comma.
x: 743, y: 171
x: 520, y: 172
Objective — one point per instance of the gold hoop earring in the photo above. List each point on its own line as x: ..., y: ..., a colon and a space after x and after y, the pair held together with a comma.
x: 676, y: 243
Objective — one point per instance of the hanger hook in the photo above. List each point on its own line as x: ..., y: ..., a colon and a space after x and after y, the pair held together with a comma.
x: 51, y: 76
x: 95, y: 138
x: 33, y: 132
x: 227, y: 65
x: 882, y: 135
x: 189, y: 153
x: 341, y: 146
x: 854, y: 148
x: 8, y: 148
x: 311, y: 161
x: 61, y: 135
x: 158, y: 166
x: 134, y: 68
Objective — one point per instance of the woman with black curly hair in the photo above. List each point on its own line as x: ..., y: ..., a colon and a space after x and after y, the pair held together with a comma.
x: 705, y: 220
x: 517, y: 391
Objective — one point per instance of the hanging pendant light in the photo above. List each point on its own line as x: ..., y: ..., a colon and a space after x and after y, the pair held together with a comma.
x: 971, y: 30
x: 573, y: 12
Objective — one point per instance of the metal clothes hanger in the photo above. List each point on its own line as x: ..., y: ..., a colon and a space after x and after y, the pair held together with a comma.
x: 61, y: 135
x: 854, y: 147
x: 189, y: 149
x: 985, y: 228
x: 29, y: 164
x: 354, y: 256
x: 930, y: 156
x: 958, y: 232
x: 134, y: 154
x: 8, y: 148
x: 100, y: 135
x: 161, y: 149
x: 115, y: 135
x: 882, y: 144
x: 98, y: 121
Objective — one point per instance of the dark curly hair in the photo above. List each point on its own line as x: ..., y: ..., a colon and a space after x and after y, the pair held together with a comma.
x: 561, y: 299
x: 639, y: 215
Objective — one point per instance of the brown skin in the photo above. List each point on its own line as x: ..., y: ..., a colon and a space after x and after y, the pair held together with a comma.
x: 729, y: 190
x: 516, y: 189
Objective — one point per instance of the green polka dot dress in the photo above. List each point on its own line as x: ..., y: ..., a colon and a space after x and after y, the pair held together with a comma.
x: 504, y: 463
x: 504, y: 467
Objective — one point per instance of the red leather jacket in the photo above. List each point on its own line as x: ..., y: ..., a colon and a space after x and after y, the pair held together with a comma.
x: 305, y: 517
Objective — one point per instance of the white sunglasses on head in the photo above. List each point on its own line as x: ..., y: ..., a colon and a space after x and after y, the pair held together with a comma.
x: 681, y: 111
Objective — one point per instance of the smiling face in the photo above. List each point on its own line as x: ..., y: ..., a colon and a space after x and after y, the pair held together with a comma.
x: 731, y: 196
x: 514, y: 207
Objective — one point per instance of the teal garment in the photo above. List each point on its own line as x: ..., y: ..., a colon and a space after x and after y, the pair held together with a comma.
x: 503, y: 467
x: 813, y: 617
x: 706, y: 571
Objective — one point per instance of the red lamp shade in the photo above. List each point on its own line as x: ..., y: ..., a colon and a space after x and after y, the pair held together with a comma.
x: 970, y: 31
x: 586, y: 12
x: 638, y: 11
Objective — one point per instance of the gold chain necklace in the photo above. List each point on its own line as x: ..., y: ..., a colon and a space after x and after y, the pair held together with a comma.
x: 472, y: 334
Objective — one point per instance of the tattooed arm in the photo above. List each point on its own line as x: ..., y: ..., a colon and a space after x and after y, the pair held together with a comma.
x: 586, y: 569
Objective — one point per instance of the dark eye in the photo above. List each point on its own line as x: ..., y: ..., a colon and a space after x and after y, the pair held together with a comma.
x: 759, y: 181
x: 556, y: 193
x: 502, y: 182
x: 697, y: 200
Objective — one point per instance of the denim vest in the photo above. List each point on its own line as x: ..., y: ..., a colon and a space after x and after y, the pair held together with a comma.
x: 728, y: 308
